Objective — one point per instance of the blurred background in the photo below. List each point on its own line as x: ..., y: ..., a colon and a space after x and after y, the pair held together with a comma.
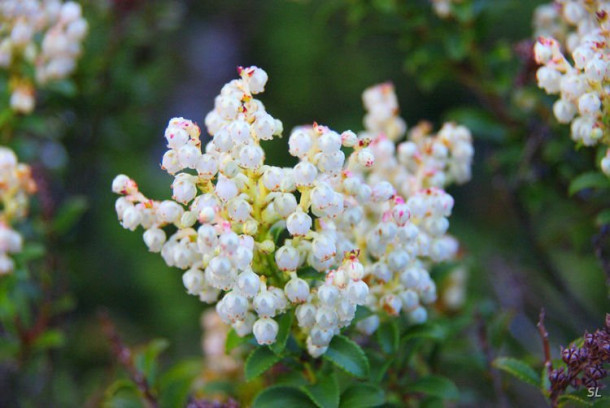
x: 148, y: 61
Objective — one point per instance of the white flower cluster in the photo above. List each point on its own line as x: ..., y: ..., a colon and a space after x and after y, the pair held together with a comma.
x: 580, y: 75
x: 350, y: 239
x: 404, y: 236
x: 44, y: 33
x: 16, y: 185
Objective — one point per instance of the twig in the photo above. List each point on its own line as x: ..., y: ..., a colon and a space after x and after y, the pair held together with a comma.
x: 546, y: 347
x: 544, y: 335
x: 125, y: 356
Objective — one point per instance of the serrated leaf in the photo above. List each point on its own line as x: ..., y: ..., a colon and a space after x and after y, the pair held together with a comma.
x: 233, y: 340
x: 348, y: 356
x: 592, y: 179
x: 362, y: 396
x: 69, y: 214
x: 518, y: 369
x: 388, y: 336
x: 435, y: 386
x: 285, y: 324
x: 325, y: 392
x: 430, y: 331
x: 282, y: 396
x: 260, y: 360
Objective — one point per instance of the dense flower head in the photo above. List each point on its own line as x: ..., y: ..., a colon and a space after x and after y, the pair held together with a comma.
x: 355, y: 222
x: 43, y: 34
x: 573, y: 51
x: 16, y: 186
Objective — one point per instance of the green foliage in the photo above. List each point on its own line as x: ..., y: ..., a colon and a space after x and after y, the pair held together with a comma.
x: 348, y: 356
x: 283, y: 396
x: 260, y: 360
x: 285, y: 326
x: 435, y: 386
x: 362, y: 395
x: 325, y: 392
x: 518, y: 369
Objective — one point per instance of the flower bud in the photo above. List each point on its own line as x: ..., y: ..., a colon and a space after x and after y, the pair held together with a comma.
x: 265, y: 330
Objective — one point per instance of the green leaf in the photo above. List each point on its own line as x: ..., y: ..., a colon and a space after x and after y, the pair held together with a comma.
x: 428, y: 331
x: 378, y: 370
x: 146, y: 360
x: 122, y: 394
x: 325, y: 392
x: 571, y: 400
x: 362, y: 396
x: 285, y: 324
x: 175, y: 384
x: 276, y: 231
x: 234, y: 340
x: 362, y: 312
x: 592, y: 179
x: 49, y: 339
x: 260, y: 360
x: 435, y: 386
x: 69, y: 214
x: 388, y: 336
x: 282, y: 396
x: 310, y: 274
x: 348, y: 356
x: 519, y: 369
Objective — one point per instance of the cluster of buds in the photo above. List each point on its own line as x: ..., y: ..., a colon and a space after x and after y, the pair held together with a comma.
x: 44, y: 34
x: 585, y: 365
x: 443, y: 7
x: 580, y: 74
x: 16, y: 186
x: 322, y: 237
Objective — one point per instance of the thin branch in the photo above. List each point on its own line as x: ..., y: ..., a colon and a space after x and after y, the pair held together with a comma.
x: 544, y: 335
x: 125, y: 356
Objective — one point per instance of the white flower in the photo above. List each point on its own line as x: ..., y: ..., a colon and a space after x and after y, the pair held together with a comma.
x: 287, y: 258
x: 154, y: 238
x: 298, y: 223
x: 265, y: 330
x: 297, y: 290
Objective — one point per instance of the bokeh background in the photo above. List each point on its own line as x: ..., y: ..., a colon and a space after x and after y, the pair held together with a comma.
x: 148, y: 61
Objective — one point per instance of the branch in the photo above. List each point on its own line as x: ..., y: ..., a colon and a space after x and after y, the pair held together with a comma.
x: 125, y: 356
